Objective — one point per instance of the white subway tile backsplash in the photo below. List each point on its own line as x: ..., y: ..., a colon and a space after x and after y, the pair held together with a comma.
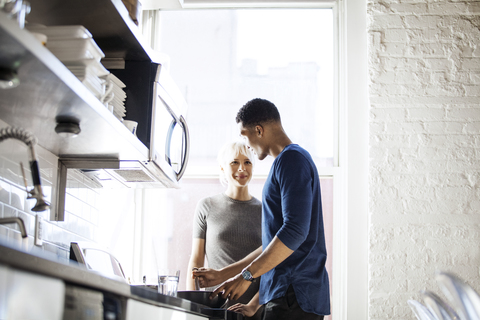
x: 18, y: 198
x: 4, y: 192
x: 4, y: 231
x: 9, y: 211
x: 92, y: 197
x: 82, y: 193
x: 71, y: 204
x: 80, y: 220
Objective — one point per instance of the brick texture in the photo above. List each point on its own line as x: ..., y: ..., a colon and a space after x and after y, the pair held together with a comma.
x: 424, y: 76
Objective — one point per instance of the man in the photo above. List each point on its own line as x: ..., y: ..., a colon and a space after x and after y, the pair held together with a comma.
x: 294, y: 281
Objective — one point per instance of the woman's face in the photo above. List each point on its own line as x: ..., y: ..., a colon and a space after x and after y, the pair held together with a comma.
x: 238, y: 170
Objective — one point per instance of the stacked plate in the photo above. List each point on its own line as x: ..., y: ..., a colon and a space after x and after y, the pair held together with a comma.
x: 76, y: 49
x: 115, y: 96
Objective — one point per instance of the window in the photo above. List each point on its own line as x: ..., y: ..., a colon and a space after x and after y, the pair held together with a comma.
x: 220, y: 59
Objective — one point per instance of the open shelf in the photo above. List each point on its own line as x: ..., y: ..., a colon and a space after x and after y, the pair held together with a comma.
x: 107, y: 20
x: 49, y: 90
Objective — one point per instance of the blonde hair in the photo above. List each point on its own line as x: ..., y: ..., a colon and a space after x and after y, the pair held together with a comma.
x: 228, y: 152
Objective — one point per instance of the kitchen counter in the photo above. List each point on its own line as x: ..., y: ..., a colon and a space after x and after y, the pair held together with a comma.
x: 72, y: 274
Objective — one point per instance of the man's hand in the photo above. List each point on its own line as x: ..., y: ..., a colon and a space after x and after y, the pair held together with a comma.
x: 233, y: 288
x: 249, y: 309
x: 207, y: 277
x: 245, y: 309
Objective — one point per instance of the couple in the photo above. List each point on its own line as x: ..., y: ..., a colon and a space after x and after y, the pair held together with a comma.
x: 291, y: 259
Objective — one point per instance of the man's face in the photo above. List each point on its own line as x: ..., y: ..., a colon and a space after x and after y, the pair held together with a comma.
x: 253, y: 141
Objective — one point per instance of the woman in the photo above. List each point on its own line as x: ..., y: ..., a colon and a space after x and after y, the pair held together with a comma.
x: 227, y: 226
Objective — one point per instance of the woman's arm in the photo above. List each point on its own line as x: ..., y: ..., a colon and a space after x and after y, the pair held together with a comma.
x: 210, y: 277
x: 197, y: 260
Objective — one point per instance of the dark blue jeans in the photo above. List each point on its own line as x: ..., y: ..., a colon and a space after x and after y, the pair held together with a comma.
x: 287, y: 308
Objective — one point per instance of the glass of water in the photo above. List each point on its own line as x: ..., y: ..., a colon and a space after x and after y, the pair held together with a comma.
x: 168, y: 284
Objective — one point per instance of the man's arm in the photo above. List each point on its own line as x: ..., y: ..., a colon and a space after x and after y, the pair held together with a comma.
x: 274, y: 254
x: 210, y: 277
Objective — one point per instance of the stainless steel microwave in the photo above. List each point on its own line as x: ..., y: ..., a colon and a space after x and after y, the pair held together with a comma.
x: 169, y: 142
x: 157, y: 104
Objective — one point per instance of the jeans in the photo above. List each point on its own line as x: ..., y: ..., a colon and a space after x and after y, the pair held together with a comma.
x: 287, y: 308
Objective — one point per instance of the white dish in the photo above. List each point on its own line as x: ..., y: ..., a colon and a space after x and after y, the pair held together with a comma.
x: 118, y: 89
x: 92, y: 89
x: 121, y: 96
x: 119, y: 102
x: 75, y: 49
x: 91, y: 77
x: 90, y: 66
x: 94, y: 85
x: 115, y: 80
x: 99, y: 69
x: 61, y: 32
x: 119, y: 99
x: 118, y: 115
x: 79, y: 62
x: 119, y: 109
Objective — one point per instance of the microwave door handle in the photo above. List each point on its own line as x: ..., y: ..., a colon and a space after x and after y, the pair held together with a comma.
x: 169, y: 141
x: 186, y: 152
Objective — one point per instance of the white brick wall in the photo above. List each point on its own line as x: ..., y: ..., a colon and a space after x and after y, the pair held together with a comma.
x: 424, y: 66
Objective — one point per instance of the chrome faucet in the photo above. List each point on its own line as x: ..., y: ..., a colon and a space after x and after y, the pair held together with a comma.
x: 30, y: 141
x: 18, y: 221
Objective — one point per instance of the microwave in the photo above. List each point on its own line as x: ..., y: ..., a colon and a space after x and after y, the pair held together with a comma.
x: 169, y: 136
x: 157, y: 104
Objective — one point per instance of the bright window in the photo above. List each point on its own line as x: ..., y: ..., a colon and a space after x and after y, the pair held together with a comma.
x: 220, y: 59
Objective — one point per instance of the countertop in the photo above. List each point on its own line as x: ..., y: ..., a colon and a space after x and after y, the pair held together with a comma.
x: 47, y: 264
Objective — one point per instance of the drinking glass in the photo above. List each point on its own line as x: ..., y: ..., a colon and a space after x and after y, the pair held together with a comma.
x: 168, y: 283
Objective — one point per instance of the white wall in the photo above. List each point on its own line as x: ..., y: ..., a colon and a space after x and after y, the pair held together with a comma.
x: 424, y: 92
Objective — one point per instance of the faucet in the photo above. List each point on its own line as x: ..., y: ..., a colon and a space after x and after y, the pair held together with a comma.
x: 18, y: 221
x: 30, y: 141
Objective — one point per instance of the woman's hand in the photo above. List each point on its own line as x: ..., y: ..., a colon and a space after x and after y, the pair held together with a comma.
x: 207, y: 277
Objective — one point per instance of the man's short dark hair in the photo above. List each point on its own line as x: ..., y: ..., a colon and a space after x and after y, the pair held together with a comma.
x: 257, y: 111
